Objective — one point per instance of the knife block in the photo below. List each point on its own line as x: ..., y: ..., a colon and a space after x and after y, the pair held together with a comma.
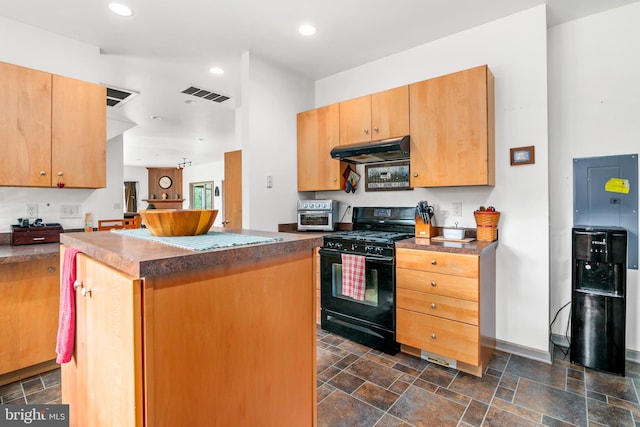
x: 425, y: 230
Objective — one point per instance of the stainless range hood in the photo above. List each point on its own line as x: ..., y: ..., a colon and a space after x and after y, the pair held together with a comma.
x: 373, y: 152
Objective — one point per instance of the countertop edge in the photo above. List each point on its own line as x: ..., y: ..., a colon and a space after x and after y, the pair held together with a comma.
x: 475, y: 247
x: 140, y: 258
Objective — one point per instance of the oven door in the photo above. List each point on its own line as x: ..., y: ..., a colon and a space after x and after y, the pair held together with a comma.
x: 315, y: 220
x: 374, y: 317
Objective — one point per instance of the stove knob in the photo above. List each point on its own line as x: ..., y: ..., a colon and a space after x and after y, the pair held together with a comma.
x: 368, y: 249
x: 339, y: 245
x: 379, y: 250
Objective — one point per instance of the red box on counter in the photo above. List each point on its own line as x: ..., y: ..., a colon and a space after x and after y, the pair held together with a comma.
x: 47, y: 233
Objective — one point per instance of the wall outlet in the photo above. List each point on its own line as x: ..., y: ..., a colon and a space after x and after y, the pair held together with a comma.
x: 32, y: 211
x: 457, y: 209
x: 70, y: 211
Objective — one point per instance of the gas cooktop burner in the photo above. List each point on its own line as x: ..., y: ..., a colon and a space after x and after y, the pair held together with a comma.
x: 371, y: 236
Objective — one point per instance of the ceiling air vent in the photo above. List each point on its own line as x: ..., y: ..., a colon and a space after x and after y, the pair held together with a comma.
x: 116, y: 96
x: 205, y: 94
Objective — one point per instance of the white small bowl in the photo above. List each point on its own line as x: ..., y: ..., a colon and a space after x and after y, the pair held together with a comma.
x: 453, y: 233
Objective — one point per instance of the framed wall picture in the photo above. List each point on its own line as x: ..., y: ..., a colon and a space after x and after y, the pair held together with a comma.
x: 522, y: 156
x: 387, y: 176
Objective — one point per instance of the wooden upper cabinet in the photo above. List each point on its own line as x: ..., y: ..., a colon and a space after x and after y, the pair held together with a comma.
x: 452, y: 130
x: 25, y: 126
x: 376, y: 117
x: 49, y: 125
x: 318, y: 133
x: 79, y: 134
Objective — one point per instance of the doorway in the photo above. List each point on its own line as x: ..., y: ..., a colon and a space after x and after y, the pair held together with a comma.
x: 201, y: 195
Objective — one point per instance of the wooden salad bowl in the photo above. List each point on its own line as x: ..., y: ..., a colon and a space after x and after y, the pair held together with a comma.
x: 178, y: 222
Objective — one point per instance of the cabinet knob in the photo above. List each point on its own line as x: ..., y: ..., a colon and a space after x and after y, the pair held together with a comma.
x: 60, y: 173
x: 77, y: 284
x: 86, y: 292
x: 433, y: 284
x: 433, y: 305
x: 433, y: 262
x: 51, y: 270
x: 433, y: 336
x: 335, y: 179
x: 415, y: 174
x: 375, y: 129
x: 43, y: 173
x: 366, y: 131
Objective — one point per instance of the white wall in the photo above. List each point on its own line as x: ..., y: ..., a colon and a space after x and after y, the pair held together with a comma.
x: 515, y: 50
x: 271, y: 98
x: 594, y: 110
x: 34, y: 48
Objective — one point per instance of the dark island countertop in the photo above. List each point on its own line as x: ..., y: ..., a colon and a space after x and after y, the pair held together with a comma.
x: 140, y: 258
x: 475, y: 247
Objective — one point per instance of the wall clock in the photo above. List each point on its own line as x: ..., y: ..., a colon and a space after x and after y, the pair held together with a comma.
x: 165, y: 182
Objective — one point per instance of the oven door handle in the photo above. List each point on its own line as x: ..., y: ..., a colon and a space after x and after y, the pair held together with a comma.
x: 368, y: 258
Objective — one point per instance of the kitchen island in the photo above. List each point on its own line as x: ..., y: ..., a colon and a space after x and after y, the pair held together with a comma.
x: 168, y: 336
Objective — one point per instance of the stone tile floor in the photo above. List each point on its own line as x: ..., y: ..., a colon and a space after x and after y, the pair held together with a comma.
x: 359, y: 387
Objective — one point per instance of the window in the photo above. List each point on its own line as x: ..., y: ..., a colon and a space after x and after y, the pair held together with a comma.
x: 201, y: 195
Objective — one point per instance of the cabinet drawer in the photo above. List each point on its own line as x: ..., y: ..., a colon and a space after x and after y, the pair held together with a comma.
x: 436, y: 305
x: 448, y: 338
x: 466, y: 288
x: 438, y: 262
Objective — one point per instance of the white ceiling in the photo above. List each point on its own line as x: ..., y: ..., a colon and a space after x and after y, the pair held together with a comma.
x: 169, y: 45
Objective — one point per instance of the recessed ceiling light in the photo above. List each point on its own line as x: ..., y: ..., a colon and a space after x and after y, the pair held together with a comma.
x: 120, y: 9
x: 216, y: 70
x: 190, y: 101
x: 157, y: 117
x: 307, y: 29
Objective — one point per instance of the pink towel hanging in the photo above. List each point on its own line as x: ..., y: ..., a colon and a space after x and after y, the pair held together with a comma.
x: 354, y: 280
x: 67, y: 318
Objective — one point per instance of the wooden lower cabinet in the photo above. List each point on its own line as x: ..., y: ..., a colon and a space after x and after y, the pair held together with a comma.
x: 446, y: 305
x: 103, y: 382
x: 215, y: 346
x: 30, y: 296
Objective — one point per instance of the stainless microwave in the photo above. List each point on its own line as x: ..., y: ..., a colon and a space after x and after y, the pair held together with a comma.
x: 317, y: 215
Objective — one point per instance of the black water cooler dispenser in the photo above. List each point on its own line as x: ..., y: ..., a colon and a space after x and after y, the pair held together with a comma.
x: 598, y: 308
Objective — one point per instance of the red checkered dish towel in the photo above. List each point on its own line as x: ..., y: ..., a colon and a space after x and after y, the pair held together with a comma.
x: 353, y: 276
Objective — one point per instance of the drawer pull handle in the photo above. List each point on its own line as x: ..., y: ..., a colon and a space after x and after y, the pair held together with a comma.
x: 433, y: 284
x: 51, y: 269
x: 433, y: 336
x: 433, y: 262
x: 77, y: 284
x: 86, y: 292
x: 433, y: 305
x: 37, y: 239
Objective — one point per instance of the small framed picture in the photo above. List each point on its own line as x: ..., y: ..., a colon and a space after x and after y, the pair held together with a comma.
x: 523, y: 156
x: 387, y: 177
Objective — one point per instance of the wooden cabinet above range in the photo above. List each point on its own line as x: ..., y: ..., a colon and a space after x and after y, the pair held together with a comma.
x: 53, y: 129
x: 376, y: 117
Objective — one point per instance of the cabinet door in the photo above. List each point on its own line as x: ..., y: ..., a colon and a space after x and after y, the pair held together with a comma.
x: 107, y: 361
x: 317, y: 135
x: 452, y: 142
x: 25, y: 126
x: 78, y: 145
x: 29, y: 292
x: 390, y: 113
x: 355, y: 120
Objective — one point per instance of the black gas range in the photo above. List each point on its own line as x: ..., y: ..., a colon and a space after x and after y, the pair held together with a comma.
x: 369, y: 317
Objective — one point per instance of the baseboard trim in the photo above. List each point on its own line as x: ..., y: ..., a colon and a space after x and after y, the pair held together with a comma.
x: 524, y: 351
